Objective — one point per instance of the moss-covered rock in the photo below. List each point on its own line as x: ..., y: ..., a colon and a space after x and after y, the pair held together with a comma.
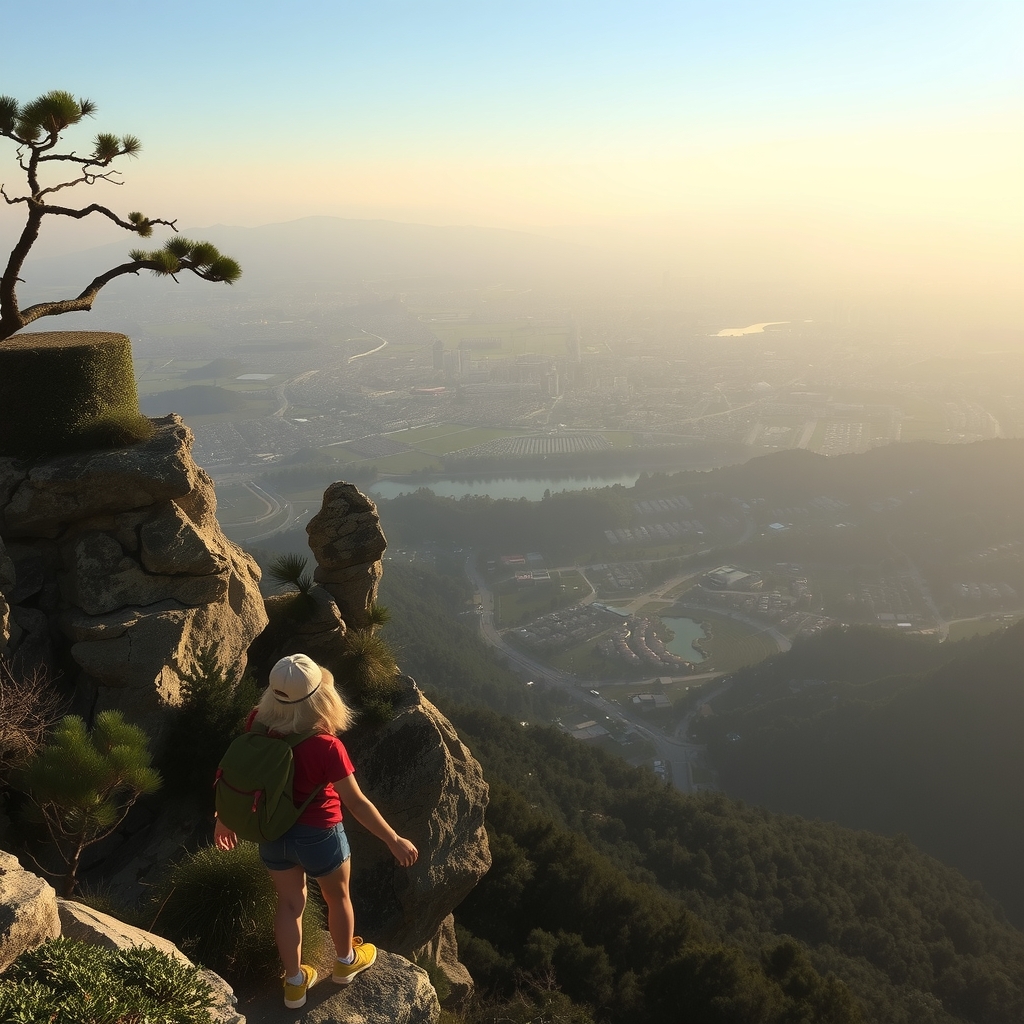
x: 66, y: 391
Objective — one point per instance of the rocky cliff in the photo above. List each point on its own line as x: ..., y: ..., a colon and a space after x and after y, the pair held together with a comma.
x: 116, y: 572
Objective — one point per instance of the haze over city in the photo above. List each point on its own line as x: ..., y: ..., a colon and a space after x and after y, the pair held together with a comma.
x: 623, y: 402
x: 867, y: 155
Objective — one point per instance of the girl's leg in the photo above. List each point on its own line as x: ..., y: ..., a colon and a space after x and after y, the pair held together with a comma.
x: 341, y: 918
x: 291, y: 901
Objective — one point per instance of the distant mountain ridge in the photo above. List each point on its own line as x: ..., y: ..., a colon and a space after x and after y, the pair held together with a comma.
x: 329, y: 251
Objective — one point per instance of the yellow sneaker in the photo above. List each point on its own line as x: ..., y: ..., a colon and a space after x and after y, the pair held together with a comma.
x: 295, y: 995
x: 365, y: 954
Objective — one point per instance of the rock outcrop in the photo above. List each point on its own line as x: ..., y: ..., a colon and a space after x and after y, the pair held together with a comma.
x: 431, y: 789
x: 122, y: 574
x: 393, y: 991
x: 28, y: 910
x: 347, y: 542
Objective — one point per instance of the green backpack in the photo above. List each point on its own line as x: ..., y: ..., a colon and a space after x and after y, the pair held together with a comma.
x: 253, y: 786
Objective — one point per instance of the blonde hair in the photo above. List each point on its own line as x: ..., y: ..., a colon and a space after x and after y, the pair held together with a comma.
x: 324, y: 710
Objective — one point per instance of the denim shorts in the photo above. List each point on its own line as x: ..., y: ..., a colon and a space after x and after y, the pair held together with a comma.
x: 318, y: 851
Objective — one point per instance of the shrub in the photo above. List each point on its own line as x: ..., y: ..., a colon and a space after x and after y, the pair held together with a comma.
x: 65, y: 980
x: 65, y: 391
x: 29, y: 706
x: 366, y: 672
x: 218, y: 908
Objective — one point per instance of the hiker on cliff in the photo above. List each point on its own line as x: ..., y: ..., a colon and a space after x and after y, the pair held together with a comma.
x: 302, y: 699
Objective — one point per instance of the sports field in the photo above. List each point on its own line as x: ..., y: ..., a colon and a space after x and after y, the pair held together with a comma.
x: 520, y: 603
x: 448, y: 437
x: 730, y: 644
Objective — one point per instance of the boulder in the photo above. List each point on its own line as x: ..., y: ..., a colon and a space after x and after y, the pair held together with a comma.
x: 347, y: 542
x: 28, y: 910
x: 392, y: 991
x: 299, y: 624
x: 102, y: 577
x: 84, y: 924
x: 443, y: 952
x: 431, y: 789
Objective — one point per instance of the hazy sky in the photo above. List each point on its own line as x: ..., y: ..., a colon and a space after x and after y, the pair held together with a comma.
x: 855, y: 141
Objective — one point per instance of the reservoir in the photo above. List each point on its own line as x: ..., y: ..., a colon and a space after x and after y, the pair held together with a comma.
x: 686, y: 631
x: 532, y: 488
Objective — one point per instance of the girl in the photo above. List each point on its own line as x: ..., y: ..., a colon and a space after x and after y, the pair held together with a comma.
x: 301, y: 697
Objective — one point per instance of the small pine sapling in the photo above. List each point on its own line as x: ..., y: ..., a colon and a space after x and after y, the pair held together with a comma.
x: 84, y: 782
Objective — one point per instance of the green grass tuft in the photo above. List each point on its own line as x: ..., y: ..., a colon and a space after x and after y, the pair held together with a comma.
x: 218, y: 908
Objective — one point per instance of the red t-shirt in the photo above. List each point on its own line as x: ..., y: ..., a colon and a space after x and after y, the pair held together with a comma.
x: 321, y: 758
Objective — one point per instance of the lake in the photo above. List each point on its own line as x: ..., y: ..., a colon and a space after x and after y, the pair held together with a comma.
x: 500, y: 487
x: 686, y: 631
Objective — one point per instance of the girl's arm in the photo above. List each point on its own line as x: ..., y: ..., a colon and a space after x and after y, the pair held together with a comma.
x: 363, y: 810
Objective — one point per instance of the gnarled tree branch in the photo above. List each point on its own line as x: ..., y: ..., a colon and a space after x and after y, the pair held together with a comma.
x: 36, y: 129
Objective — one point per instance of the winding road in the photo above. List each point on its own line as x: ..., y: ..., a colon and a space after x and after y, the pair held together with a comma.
x: 679, y: 753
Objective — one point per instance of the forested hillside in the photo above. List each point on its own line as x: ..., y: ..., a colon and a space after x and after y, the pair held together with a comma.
x: 647, y: 905
x: 603, y: 860
x: 877, y: 731
x: 937, y: 501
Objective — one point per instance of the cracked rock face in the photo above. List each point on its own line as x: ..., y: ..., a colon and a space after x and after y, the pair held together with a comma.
x: 119, y: 572
x: 431, y: 789
x: 347, y: 542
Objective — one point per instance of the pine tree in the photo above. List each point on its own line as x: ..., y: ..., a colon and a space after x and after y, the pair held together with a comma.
x: 84, y: 783
x: 36, y: 129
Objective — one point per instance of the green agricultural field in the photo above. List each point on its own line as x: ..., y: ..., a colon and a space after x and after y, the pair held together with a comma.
x: 256, y: 408
x: 619, y: 438
x: 573, y: 585
x: 516, y: 604
x: 406, y: 462
x: 585, y: 662
x: 415, y: 435
x: 452, y: 440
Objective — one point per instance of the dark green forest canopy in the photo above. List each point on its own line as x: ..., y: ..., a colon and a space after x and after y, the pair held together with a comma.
x: 876, y: 731
x: 595, y: 853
